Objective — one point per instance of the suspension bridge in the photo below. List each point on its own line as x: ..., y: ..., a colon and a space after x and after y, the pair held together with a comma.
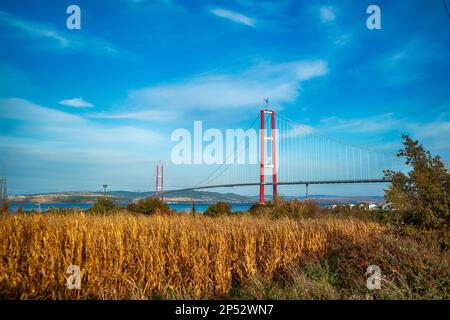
x: 289, y: 153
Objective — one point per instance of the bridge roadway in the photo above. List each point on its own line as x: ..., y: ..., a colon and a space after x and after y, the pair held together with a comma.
x: 280, y: 184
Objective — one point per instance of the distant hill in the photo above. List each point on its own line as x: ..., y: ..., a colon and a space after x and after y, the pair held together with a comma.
x: 180, y: 196
x: 128, y: 196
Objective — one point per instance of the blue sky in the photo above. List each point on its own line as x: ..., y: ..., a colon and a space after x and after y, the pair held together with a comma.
x: 79, y: 108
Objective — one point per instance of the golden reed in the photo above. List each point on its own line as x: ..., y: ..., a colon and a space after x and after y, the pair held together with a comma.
x: 125, y: 256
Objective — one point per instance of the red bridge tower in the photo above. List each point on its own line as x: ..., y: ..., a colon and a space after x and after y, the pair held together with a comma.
x: 273, y: 165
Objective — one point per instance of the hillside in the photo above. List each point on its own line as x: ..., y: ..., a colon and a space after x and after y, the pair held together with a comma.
x: 181, y: 196
x: 127, y: 196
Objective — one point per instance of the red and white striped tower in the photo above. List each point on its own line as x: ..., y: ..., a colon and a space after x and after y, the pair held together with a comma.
x: 273, y: 165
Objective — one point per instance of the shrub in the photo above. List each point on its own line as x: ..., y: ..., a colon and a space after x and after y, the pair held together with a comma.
x: 219, y: 208
x: 409, y: 269
x: 423, y: 195
x: 103, y: 206
x: 53, y: 210
x: 5, y: 206
x: 289, y: 209
x: 258, y: 208
x: 149, y: 206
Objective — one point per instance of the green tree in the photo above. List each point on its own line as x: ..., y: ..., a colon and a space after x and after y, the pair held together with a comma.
x: 103, y: 206
x: 422, y: 196
x: 149, y: 206
x: 217, y: 209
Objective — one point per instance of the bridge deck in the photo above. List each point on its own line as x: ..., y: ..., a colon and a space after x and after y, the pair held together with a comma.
x: 281, y: 183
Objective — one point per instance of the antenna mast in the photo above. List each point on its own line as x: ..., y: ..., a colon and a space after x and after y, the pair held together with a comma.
x: 159, y: 187
x: 3, y: 193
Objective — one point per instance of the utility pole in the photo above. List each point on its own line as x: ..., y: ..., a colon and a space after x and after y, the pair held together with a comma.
x: 3, y: 193
x: 193, y: 210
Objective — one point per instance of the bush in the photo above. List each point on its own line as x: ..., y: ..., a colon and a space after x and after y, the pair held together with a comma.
x: 258, y: 208
x: 103, y: 206
x: 219, y: 208
x: 423, y: 195
x: 53, y: 210
x: 5, y: 206
x: 149, y: 206
x: 409, y: 268
x: 290, y: 209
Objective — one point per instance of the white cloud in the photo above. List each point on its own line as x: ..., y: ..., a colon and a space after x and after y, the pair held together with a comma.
x: 408, y: 63
x: 379, y: 123
x: 280, y: 82
x: 297, y: 130
x: 72, y: 131
x: 34, y: 29
x: 233, y: 16
x: 434, y: 135
x: 149, y: 115
x: 342, y: 40
x: 327, y: 14
x: 76, y: 103
x: 20, y: 109
x: 63, y: 40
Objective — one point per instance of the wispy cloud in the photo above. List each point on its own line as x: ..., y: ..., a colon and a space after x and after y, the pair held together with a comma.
x: 405, y: 63
x: 148, y: 115
x: 375, y: 124
x: 434, y: 134
x: 297, y: 131
x: 245, y: 90
x: 57, y: 150
x: 234, y: 16
x: 33, y: 29
x: 342, y: 40
x: 58, y: 38
x: 76, y: 103
x: 327, y: 14
x: 46, y: 124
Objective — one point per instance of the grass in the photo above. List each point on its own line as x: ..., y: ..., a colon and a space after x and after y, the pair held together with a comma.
x: 245, y: 256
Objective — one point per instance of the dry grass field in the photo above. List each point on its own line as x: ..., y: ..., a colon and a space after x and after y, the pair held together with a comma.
x: 244, y: 256
x: 125, y: 256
